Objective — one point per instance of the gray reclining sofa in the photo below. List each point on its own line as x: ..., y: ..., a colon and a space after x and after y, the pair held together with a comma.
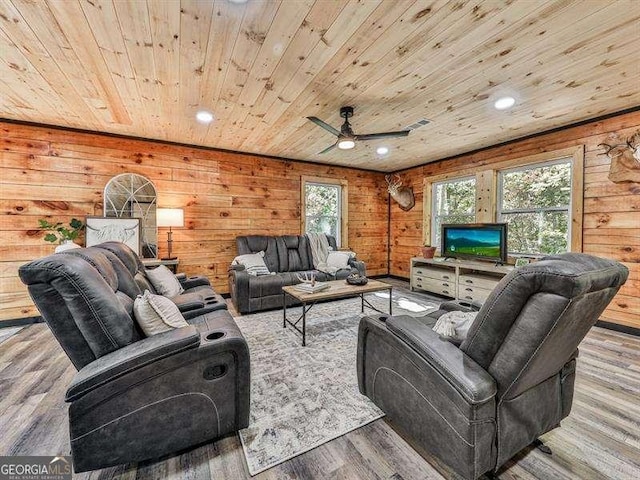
x: 136, y: 398
x: 198, y: 297
x: 511, y: 380
x: 287, y: 255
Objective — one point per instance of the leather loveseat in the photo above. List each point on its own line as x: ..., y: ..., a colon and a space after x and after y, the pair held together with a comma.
x: 476, y: 405
x: 287, y: 256
x: 198, y: 297
x: 135, y: 397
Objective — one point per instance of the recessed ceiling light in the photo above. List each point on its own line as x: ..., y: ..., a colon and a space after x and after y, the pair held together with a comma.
x: 346, y: 144
x: 504, y: 102
x: 204, y: 117
x: 382, y: 150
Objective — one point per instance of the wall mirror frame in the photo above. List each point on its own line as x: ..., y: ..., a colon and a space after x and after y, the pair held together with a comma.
x: 130, y: 195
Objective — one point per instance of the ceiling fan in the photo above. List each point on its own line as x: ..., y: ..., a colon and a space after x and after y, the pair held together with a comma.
x: 346, y: 138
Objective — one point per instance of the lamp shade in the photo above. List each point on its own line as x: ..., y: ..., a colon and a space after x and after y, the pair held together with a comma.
x: 170, y: 217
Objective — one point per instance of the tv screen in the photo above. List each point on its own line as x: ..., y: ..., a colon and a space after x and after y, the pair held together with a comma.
x: 479, y: 241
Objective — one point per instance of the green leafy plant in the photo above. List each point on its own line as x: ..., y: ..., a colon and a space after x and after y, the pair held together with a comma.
x: 59, y: 233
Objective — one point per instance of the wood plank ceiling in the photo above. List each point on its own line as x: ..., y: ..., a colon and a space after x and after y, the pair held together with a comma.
x: 143, y: 68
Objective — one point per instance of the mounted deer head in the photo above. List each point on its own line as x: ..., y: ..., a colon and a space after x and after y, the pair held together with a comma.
x: 402, y: 195
x: 625, y: 159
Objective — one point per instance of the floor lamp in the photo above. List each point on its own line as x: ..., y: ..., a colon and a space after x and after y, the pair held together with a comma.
x: 169, y: 217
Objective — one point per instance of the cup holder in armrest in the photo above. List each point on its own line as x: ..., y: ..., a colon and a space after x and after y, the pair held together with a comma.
x: 214, y: 336
x: 213, y: 372
x: 383, y: 318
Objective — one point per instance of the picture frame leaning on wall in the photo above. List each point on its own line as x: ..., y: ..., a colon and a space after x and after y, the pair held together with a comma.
x: 105, y: 229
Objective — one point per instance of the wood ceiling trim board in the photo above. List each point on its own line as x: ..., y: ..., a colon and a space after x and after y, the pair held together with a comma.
x: 165, y: 26
x: 195, y: 40
x: 135, y: 28
x: 225, y: 25
x: 319, y: 19
x: 255, y: 25
x: 83, y: 44
x: 102, y: 19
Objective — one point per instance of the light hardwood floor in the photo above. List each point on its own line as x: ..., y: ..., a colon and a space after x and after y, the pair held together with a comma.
x: 600, y: 439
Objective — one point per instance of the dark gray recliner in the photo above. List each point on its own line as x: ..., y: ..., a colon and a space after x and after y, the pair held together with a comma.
x: 510, y: 381
x: 198, y: 297
x: 287, y: 256
x: 136, y: 398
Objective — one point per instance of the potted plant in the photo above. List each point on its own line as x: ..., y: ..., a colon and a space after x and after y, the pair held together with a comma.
x: 428, y: 251
x: 61, y: 234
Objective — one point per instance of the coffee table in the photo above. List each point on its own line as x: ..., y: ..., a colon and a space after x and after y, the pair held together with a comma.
x: 338, y: 289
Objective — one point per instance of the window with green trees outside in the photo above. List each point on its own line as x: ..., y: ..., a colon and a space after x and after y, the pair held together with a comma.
x: 322, y: 209
x: 454, y: 201
x: 535, y: 201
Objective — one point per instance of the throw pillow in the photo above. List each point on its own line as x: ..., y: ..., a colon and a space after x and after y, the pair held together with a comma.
x: 157, y: 314
x: 253, y: 263
x: 339, y: 259
x: 164, y: 281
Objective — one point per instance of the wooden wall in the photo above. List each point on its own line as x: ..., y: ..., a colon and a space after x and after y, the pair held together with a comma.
x: 59, y: 174
x: 611, y: 220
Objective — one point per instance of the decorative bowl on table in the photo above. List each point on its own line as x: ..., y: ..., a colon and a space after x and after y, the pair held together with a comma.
x: 356, y: 279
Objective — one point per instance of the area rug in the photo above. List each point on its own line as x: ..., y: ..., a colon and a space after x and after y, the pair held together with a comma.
x: 302, y: 397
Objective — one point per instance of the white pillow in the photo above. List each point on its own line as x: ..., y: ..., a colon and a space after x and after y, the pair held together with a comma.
x: 339, y: 259
x: 164, y: 281
x: 253, y: 263
x: 157, y: 314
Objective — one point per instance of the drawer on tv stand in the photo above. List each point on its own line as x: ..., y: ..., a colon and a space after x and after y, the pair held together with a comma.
x: 445, y: 274
x: 441, y: 287
x: 477, y: 280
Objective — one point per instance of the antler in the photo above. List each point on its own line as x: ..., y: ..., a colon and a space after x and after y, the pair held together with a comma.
x: 307, y: 278
x: 393, y: 184
x: 609, y: 148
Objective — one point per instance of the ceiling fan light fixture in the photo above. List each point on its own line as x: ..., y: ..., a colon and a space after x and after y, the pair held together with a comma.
x: 346, y: 144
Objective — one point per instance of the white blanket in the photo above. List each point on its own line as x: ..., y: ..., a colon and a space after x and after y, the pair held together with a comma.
x: 320, y: 251
x: 455, y: 324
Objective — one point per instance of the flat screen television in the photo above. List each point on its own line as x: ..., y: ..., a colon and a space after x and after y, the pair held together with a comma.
x: 475, y: 241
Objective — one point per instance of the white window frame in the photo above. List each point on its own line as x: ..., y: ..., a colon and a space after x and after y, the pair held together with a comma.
x: 568, y: 208
x: 342, y: 234
x: 434, y: 188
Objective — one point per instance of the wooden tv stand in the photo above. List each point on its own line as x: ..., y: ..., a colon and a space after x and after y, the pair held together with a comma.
x: 460, y: 279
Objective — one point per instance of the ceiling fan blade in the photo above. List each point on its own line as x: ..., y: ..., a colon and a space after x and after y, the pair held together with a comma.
x: 373, y: 136
x: 324, y: 125
x: 328, y: 148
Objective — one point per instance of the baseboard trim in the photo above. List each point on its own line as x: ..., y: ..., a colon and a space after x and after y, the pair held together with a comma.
x: 618, y: 328
x: 21, y: 322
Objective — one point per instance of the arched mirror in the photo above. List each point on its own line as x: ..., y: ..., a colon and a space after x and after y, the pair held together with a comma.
x: 130, y: 195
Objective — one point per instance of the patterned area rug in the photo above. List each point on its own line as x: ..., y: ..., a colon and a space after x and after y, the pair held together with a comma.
x: 302, y: 397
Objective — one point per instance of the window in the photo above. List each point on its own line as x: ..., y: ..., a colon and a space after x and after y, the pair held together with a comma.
x: 324, y: 208
x: 453, y: 201
x: 535, y: 201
